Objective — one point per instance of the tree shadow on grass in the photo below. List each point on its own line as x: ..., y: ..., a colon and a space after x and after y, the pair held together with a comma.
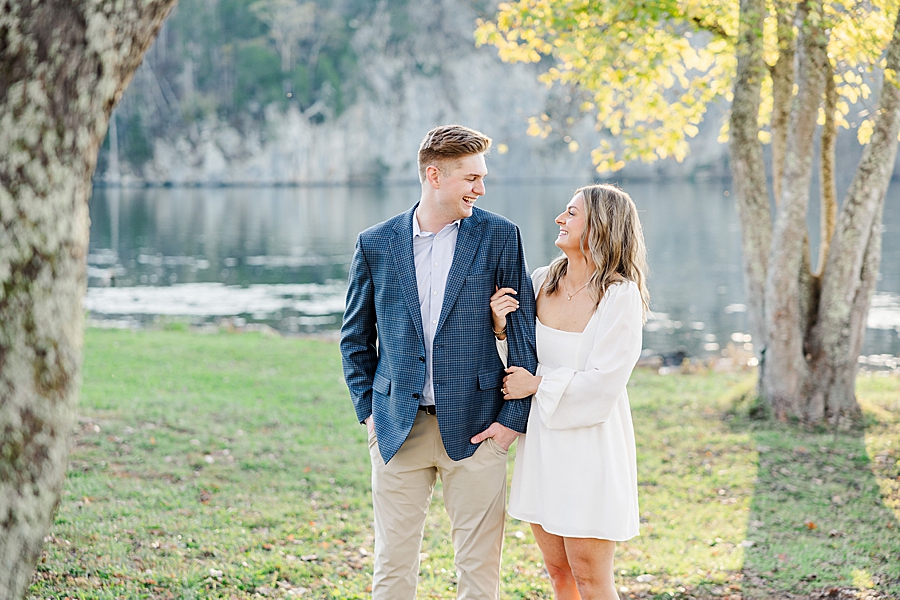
x: 820, y: 523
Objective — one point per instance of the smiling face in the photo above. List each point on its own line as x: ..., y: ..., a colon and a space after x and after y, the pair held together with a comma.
x: 457, y: 184
x: 571, y: 224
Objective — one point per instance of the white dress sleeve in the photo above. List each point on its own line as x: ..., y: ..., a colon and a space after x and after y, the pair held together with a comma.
x: 537, y: 280
x: 567, y: 398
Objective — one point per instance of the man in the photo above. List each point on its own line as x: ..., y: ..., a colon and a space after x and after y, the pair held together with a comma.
x: 421, y: 363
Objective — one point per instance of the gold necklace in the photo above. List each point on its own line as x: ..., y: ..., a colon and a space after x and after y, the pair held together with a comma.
x: 573, y: 294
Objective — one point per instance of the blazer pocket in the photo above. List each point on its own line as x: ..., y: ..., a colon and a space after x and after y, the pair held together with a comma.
x: 382, y: 385
x: 489, y: 380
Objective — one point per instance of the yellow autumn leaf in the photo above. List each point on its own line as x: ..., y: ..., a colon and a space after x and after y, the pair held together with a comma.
x: 864, y: 133
x: 724, y: 131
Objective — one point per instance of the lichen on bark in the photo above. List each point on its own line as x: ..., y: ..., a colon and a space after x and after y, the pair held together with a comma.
x: 64, y: 65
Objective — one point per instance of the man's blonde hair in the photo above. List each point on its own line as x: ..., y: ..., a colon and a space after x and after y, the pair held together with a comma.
x: 449, y: 142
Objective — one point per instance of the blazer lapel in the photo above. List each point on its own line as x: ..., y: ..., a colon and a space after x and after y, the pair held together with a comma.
x: 467, y: 242
x: 405, y: 264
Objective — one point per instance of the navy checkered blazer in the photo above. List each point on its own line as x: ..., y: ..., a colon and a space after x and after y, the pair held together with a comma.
x: 382, y: 343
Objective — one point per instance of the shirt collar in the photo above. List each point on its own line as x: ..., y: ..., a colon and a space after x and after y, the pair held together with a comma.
x: 417, y: 230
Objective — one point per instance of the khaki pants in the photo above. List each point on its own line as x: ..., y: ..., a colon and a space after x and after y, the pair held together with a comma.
x: 475, y: 499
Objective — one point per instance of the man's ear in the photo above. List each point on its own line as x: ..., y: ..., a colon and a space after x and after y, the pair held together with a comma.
x: 433, y: 176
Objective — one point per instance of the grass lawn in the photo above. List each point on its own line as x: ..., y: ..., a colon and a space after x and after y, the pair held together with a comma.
x: 232, y: 466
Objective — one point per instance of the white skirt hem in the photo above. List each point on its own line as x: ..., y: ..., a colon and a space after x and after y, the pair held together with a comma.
x: 562, y: 531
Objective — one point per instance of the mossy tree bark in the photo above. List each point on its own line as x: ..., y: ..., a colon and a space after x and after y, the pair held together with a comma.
x: 63, y: 66
x: 810, y: 325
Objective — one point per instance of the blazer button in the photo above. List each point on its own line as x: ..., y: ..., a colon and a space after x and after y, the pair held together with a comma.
x: 421, y: 359
x: 416, y: 396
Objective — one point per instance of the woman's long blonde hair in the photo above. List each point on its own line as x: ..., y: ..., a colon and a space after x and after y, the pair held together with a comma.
x: 612, y: 239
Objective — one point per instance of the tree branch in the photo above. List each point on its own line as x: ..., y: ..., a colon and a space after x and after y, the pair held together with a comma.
x: 782, y: 90
x: 827, y: 183
x: 712, y: 27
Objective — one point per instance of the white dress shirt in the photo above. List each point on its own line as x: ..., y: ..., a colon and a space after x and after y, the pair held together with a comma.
x: 433, y: 255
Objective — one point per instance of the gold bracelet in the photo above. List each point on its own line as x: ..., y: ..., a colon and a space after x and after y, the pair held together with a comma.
x: 501, y: 332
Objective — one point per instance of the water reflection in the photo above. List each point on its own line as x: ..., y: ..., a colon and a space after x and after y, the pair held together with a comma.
x: 280, y: 255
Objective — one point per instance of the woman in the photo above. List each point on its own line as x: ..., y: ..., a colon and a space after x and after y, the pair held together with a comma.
x: 575, y: 478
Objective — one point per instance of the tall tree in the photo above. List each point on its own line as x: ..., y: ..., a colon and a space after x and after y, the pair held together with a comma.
x: 63, y: 66
x: 289, y: 24
x: 792, y: 71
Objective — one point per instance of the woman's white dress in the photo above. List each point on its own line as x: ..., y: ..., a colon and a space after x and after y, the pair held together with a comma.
x: 576, y: 470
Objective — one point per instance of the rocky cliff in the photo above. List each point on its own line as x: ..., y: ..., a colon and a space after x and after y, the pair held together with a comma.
x: 405, y: 83
x: 221, y: 99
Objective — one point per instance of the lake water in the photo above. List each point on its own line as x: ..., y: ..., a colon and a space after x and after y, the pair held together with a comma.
x: 280, y: 256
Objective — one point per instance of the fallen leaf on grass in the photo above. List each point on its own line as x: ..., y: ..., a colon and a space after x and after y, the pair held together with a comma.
x: 309, y: 557
x: 810, y: 525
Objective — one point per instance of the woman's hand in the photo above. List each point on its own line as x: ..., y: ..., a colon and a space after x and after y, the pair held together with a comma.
x: 519, y: 383
x: 501, y: 305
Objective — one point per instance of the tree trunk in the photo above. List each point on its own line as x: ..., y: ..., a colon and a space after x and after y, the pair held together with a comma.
x: 748, y: 168
x: 65, y: 65
x: 851, y: 270
x: 786, y: 369
x: 812, y: 327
